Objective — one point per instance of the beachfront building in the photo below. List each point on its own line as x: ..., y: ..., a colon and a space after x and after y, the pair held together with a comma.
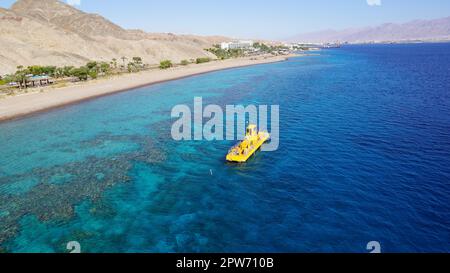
x: 290, y: 46
x: 237, y: 45
x: 39, y: 80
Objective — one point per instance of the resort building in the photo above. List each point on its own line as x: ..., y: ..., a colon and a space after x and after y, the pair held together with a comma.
x: 237, y: 45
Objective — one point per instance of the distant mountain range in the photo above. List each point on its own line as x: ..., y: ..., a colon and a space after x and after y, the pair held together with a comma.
x: 50, y: 32
x: 418, y: 30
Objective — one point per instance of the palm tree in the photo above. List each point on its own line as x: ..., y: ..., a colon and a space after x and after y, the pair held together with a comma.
x: 123, y: 60
x: 21, y: 78
x: 114, y: 63
x: 137, y: 60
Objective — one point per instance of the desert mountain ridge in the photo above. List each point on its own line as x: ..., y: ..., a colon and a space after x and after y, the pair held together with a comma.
x: 417, y: 30
x: 51, y: 32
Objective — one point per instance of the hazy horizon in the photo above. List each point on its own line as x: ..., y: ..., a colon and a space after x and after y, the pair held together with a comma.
x: 254, y: 19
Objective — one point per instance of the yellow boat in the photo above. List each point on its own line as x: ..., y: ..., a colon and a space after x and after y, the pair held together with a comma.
x: 252, y: 142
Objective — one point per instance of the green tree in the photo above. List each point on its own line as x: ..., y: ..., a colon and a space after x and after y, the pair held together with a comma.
x: 81, y: 73
x: 263, y: 47
x: 105, y: 67
x: 93, y: 74
x: 137, y: 60
x: 202, y: 60
x: 131, y: 67
x: 21, y: 76
x: 8, y: 78
x: 68, y: 71
x: 220, y: 53
x: 184, y: 62
x: 59, y: 72
x: 35, y: 70
x: 165, y: 64
x: 92, y: 65
x: 49, y: 70
x: 123, y: 60
x: 114, y: 63
x: 137, y: 64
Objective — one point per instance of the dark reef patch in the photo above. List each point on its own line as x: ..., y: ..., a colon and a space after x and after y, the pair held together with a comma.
x: 85, y: 180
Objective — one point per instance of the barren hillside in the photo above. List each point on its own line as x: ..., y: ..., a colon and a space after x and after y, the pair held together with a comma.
x: 50, y: 32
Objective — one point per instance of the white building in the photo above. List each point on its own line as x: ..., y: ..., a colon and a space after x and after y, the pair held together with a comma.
x: 290, y: 46
x: 225, y: 46
x: 237, y: 45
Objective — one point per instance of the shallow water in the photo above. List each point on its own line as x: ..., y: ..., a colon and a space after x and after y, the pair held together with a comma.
x: 365, y: 155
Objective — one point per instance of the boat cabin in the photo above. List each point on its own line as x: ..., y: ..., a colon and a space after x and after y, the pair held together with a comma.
x: 252, y: 131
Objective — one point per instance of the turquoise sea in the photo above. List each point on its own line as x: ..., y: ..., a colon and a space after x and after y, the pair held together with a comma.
x: 364, y: 156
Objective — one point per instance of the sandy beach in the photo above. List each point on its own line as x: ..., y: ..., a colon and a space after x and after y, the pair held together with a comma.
x: 22, y: 105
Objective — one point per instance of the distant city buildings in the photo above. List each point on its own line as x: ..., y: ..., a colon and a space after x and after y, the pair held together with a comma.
x: 311, y: 46
x: 236, y: 45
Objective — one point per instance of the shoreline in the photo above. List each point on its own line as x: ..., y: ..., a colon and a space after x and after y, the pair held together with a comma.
x: 20, y: 106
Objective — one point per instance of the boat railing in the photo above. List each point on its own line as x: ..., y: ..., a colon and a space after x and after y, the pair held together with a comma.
x: 234, y: 149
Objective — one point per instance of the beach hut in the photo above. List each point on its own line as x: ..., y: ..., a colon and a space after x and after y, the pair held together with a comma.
x: 39, y: 80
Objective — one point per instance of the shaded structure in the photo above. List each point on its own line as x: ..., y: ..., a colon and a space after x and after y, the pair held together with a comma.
x: 38, y: 80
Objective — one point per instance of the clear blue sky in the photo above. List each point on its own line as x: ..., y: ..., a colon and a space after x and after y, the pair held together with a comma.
x: 258, y: 18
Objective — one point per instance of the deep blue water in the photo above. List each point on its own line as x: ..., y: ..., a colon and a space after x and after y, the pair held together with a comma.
x: 365, y: 155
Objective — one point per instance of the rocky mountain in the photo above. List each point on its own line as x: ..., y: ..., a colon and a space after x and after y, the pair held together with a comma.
x: 69, y: 18
x: 50, y: 32
x: 422, y: 30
